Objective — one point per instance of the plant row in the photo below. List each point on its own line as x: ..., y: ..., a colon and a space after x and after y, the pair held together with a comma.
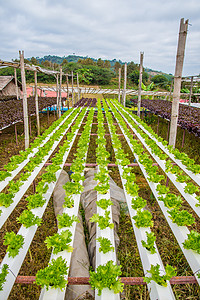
x: 16, y: 189
x: 169, y: 202
x: 105, y: 278
x: 188, y: 116
x: 31, y: 218
x: 55, y: 275
x: 17, y: 162
x: 141, y: 218
x: 12, y: 110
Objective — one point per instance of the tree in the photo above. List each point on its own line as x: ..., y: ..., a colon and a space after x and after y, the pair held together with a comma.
x: 34, y: 61
x: 64, y: 62
x: 100, y: 75
x: 132, y: 67
x: 107, y: 64
x: 46, y: 63
x: 134, y: 77
x: 85, y: 75
x: 117, y: 65
x: 100, y: 63
x: 72, y: 66
x: 87, y: 61
x: 160, y: 80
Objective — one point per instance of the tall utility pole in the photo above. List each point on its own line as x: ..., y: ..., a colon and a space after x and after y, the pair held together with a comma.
x: 119, y: 85
x: 124, y: 91
x: 140, y: 83
x: 60, y: 93
x: 25, y: 106
x: 36, y: 104
x: 177, y: 80
x: 72, y: 88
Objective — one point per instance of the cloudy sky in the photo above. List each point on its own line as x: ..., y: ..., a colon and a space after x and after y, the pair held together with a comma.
x: 108, y: 29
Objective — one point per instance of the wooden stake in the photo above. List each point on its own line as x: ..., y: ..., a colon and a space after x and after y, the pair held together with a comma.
x: 78, y: 90
x: 48, y: 115
x: 191, y: 86
x: 25, y: 107
x: 60, y: 94
x: 124, y: 91
x: 16, y: 85
x: 16, y: 134
x: 72, y: 89
x: 67, y: 91
x: 177, y: 81
x: 36, y: 104
x: 30, y: 125
x: 57, y: 95
x: 119, y: 96
x: 140, y: 83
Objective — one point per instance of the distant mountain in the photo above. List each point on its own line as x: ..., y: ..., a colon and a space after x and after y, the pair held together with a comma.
x: 75, y: 58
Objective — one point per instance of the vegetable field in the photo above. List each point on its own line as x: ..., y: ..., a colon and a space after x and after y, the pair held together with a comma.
x: 159, y: 228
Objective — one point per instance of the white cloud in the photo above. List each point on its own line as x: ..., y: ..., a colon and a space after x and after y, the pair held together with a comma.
x: 107, y: 29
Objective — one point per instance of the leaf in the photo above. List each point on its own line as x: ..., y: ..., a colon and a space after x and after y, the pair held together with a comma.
x: 193, y: 241
x: 106, y: 276
x: 14, y: 243
x: 60, y: 241
x: 54, y: 275
x: 3, y: 274
x: 143, y: 219
x: 28, y: 219
x: 65, y: 220
x: 149, y: 245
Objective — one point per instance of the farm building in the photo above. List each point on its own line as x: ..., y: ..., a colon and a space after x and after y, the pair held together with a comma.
x: 8, y: 87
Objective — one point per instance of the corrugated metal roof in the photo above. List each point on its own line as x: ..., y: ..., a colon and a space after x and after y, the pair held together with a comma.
x: 4, y: 81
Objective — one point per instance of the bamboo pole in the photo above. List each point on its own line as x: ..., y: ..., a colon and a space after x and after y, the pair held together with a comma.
x: 25, y: 107
x: 191, y: 86
x: 125, y: 79
x: 67, y: 91
x: 119, y: 96
x: 60, y: 94
x: 78, y: 90
x: 140, y: 83
x: 16, y: 85
x: 72, y: 89
x: 36, y: 104
x: 177, y: 81
x: 57, y: 95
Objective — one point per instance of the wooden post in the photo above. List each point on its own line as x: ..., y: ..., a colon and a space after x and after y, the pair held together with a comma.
x: 119, y: 85
x: 25, y: 106
x: 140, y: 83
x: 67, y: 91
x: 60, y: 94
x: 191, y: 86
x: 78, y: 91
x: 72, y: 89
x: 16, y: 134
x: 177, y: 81
x: 16, y: 85
x: 36, y: 104
x: 30, y: 126
x: 57, y: 95
x: 124, y: 91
